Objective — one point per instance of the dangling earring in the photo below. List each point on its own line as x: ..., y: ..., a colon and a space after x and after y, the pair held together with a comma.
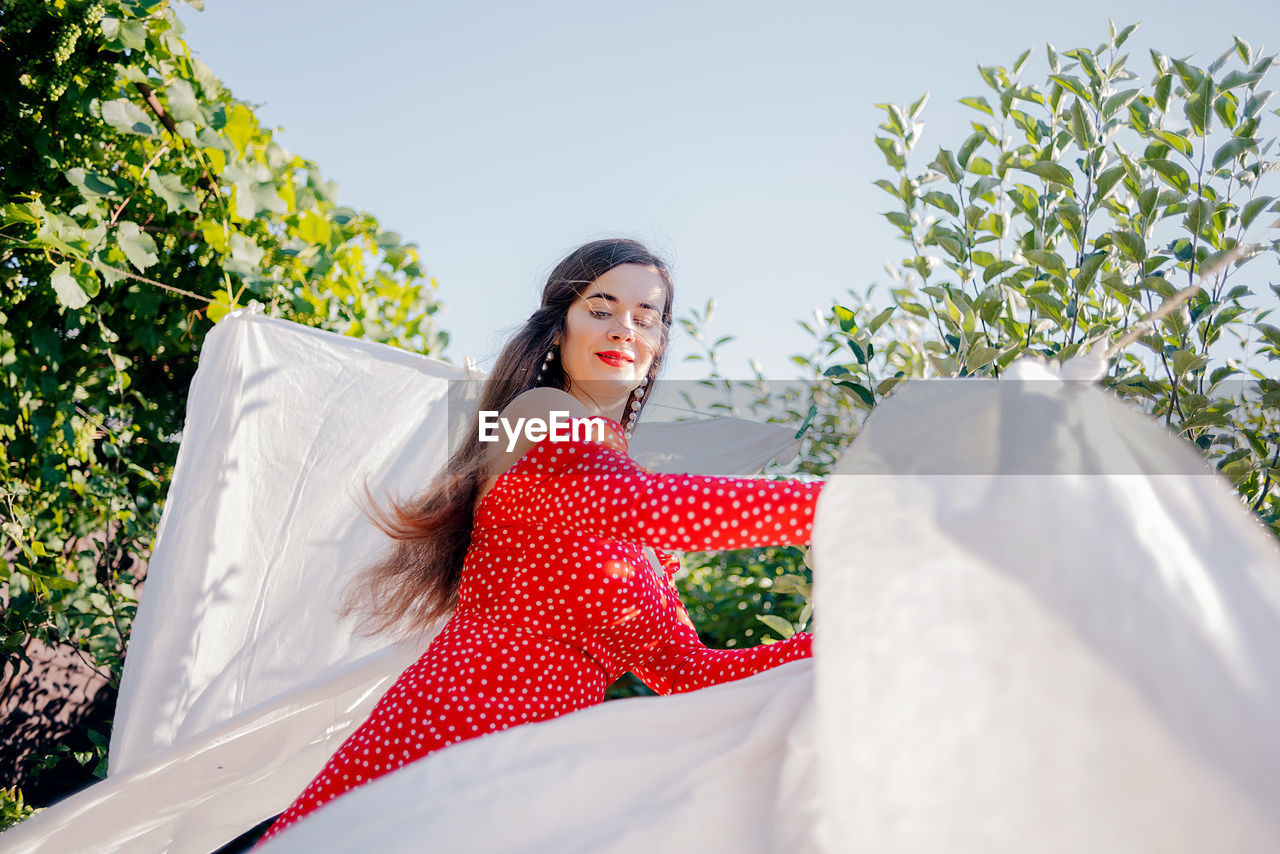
x: 547, y: 361
x: 634, y: 414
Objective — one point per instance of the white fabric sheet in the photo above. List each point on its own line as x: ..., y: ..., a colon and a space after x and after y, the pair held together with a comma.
x: 240, y: 680
x: 1044, y: 625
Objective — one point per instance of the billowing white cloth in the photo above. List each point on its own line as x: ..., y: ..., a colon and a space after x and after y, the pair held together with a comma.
x: 725, y: 768
x: 240, y: 680
x: 1044, y: 625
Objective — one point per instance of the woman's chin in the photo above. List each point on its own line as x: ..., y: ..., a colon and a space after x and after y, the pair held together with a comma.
x: 607, y: 390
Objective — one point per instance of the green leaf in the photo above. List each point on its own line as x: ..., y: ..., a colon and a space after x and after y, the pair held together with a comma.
x: 68, y: 290
x: 1051, y: 172
x: 126, y: 116
x: 863, y: 393
x: 993, y: 270
x: 1081, y: 125
x: 1163, y: 89
x: 946, y: 163
x: 915, y: 108
x: 137, y: 245
x: 879, y: 320
x: 1074, y: 85
x: 131, y: 34
x: 1119, y: 101
x: 980, y: 356
x: 885, y: 386
x: 170, y: 188
x: 847, y: 319
x: 1159, y: 285
x: 240, y: 127
x: 1069, y: 216
x: 1173, y: 174
x: 22, y: 213
x: 942, y: 200
x: 1244, y: 50
x: 1089, y: 268
x: 1191, y: 76
x: 1269, y: 332
x: 1130, y: 244
x: 1238, y: 78
x: 1107, y: 182
x: 246, y: 252
x: 253, y: 198
x: 1199, y: 107
x: 1225, y: 106
x: 1252, y: 208
x: 783, y: 628
x: 978, y: 103
x: 858, y: 352
x: 980, y: 166
x: 901, y: 220
x: 1231, y: 149
x: 808, y: 419
x: 1047, y: 303
x: 1021, y: 61
x: 1198, y: 213
x: 1256, y: 102
x: 968, y: 146
x: 888, y: 186
x: 221, y: 306
x: 1147, y: 201
x: 893, y: 153
x: 1050, y: 261
x: 983, y: 186
x: 183, y: 105
x: 1087, y: 63
x: 1124, y: 35
x: 1174, y: 140
x: 92, y: 185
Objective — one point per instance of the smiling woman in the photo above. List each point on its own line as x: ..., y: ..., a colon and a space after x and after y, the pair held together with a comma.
x: 547, y: 552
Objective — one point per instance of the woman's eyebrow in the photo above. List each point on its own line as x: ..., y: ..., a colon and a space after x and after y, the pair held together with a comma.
x: 611, y: 298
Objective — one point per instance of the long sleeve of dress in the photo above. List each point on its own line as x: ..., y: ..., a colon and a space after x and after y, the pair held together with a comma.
x: 596, y: 488
x: 684, y: 663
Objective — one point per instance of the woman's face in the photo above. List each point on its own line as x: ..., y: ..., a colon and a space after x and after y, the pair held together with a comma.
x: 613, y: 331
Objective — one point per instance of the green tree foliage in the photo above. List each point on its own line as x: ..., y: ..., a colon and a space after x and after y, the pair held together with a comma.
x: 1095, y: 210
x: 139, y: 203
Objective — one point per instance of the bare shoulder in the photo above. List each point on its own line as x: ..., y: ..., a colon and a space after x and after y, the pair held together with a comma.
x: 541, y: 402
x: 509, y: 439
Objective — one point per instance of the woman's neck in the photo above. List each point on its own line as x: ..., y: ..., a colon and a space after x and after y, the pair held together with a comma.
x: 611, y: 407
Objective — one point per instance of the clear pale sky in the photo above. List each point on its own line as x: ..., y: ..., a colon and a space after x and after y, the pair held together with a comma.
x: 736, y: 139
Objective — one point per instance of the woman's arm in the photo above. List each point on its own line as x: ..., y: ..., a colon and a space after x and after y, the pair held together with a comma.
x: 684, y: 663
x: 596, y: 488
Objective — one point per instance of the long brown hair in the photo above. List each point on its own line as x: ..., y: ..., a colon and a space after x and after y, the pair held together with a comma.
x: 416, y: 582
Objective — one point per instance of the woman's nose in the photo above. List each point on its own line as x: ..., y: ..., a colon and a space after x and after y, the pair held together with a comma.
x: 622, y: 329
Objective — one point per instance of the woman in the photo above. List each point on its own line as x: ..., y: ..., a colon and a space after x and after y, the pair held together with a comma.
x: 537, y: 546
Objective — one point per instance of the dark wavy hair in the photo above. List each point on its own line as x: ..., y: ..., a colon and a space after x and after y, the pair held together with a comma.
x: 416, y: 582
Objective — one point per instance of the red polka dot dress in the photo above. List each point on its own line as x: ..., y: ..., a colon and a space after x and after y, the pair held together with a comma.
x: 557, y: 600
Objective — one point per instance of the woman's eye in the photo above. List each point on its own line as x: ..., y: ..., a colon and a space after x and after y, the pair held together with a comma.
x: 601, y: 314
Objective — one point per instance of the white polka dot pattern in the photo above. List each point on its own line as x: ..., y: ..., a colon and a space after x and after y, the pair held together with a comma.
x: 557, y: 600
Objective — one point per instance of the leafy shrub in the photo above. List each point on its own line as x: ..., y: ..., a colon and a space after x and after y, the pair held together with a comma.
x: 139, y: 203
